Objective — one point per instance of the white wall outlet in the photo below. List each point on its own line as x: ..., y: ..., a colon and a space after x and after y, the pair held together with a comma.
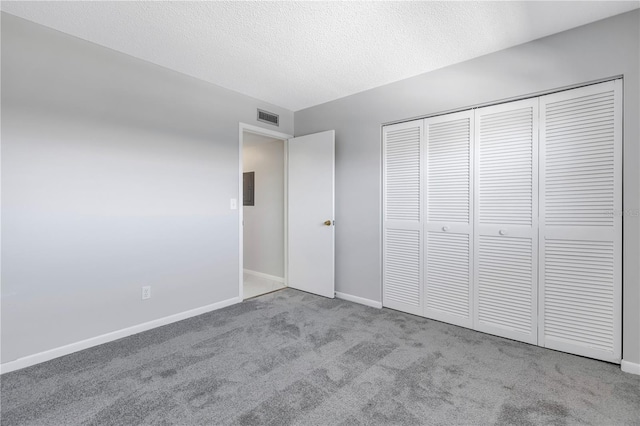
x: 234, y: 204
x: 146, y: 292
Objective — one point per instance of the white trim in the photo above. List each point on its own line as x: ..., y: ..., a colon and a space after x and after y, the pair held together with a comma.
x: 243, y: 127
x: 630, y: 367
x: 30, y: 360
x: 264, y: 132
x: 286, y: 212
x: 265, y: 276
x: 240, y: 213
x: 381, y: 205
x: 360, y: 300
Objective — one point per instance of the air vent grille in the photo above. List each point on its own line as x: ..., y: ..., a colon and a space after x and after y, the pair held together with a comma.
x: 268, y: 117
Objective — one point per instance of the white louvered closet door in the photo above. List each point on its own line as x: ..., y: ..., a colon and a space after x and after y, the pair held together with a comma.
x: 506, y: 228
x: 402, y: 221
x: 580, y: 222
x: 448, y: 208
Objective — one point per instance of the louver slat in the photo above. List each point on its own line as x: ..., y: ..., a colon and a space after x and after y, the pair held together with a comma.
x: 584, y: 171
x: 447, y: 273
x: 402, y: 276
x: 568, y: 313
x: 402, y: 174
x: 448, y: 163
x: 580, y: 245
x: 505, y: 167
x: 402, y: 237
x: 504, y: 291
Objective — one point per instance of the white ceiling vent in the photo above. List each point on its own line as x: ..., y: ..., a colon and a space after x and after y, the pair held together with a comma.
x: 268, y: 117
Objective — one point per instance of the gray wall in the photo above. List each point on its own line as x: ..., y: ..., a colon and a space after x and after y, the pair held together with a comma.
x: 264, y: 222
x: 603, y: 49
x: 116, y: 173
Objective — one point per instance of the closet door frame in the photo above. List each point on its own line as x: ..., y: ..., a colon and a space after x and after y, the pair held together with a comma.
x: 537, y: 226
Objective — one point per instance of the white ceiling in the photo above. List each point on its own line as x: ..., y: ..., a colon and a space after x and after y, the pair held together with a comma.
x: 299, y: 54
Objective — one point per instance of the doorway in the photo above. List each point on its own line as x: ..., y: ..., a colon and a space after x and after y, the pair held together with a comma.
x: 306, y: 224
x: 263, y: 211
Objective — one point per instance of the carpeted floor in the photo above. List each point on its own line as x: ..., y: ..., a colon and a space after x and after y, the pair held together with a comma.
x: 293, y: 358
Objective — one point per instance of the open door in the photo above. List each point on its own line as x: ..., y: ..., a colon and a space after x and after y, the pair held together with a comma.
x: 311, y: 235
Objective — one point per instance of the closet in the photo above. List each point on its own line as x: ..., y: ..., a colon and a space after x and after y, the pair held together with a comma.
x: 505, y: 219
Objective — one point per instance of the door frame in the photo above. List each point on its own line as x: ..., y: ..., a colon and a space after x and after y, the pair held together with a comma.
x: 244, y: 127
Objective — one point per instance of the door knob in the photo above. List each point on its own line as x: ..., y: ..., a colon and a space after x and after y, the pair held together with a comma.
x: 445, y: 228
x: 502, y: 232
x: 327, y: 222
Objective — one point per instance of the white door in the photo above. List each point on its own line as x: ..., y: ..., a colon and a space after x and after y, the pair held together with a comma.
x: 448, y: 274
x: 310, y: 242
x: 506, y: 220
x: 580, y: 221
x: 402, y: 217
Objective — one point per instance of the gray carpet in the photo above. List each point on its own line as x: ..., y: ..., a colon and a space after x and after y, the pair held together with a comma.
x: 293, y: 358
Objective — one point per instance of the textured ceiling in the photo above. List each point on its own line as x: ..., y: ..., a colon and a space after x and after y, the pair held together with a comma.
x: 300, y: 54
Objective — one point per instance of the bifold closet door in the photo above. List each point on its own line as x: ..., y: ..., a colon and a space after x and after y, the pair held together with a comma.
x: 506, y: 228
x: 580, y: 221
x: 402, y: 221
x: 448, y: 223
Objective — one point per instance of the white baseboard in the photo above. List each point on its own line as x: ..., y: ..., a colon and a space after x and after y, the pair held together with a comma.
x: 630, y: 367
x: 30, y: 360
x: 262, y: 275
x: 360, y: 300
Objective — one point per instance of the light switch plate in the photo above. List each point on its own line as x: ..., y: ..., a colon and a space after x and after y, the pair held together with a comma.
x: 234, y: 204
